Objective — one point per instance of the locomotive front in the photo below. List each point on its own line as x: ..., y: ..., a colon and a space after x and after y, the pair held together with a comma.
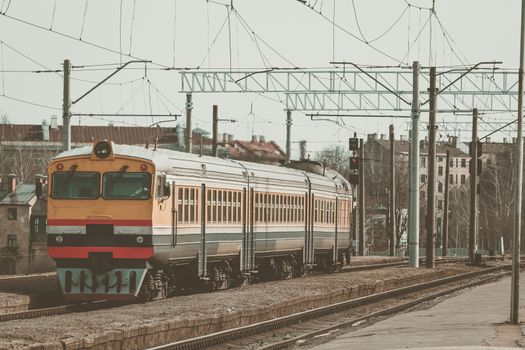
x: 99, y: 222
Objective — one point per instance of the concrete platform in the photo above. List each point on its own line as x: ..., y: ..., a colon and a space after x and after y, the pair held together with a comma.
x: 372, y: 259
x: 473, y: 319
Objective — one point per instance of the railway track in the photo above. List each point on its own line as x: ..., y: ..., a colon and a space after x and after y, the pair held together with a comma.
x: 84, y: 307
x: 277, y: 333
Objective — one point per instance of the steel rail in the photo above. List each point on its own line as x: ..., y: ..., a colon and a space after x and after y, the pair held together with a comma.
x: 70, y: 308
x: 270, y: 325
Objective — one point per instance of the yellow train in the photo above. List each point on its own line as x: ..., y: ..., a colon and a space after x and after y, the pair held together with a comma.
x: 128, y: 222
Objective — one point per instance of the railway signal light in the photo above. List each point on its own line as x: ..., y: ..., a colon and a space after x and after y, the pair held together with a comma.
x: 354, y: 163
x: 353, y: 144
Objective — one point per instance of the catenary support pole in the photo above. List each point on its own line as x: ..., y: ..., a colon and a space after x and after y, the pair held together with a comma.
x: 188, y: 131
x: 392, y: 228
x: 361, y: 202
x: 446, y: 207
x: 66, y: 108
x: 515, y: 293
x: 473, y: 222
x: 413, y: 210
x: 431, y: 185
x: 215, y: 131
x: 288, y: 136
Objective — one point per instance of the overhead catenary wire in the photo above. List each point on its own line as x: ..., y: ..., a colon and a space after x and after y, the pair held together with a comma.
x: 353, y: 35
x: 83, y: 19
x: 68, y: 36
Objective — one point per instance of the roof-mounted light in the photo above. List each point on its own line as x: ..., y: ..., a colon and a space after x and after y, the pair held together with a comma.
x: 102, y: 150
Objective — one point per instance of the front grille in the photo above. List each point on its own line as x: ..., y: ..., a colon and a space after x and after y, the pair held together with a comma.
x: 99, y: 230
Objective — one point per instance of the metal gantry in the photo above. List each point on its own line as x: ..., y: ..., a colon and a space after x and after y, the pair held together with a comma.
x: 377, y: 90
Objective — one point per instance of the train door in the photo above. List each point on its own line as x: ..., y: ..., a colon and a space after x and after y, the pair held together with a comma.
x: 174, y: 206
x: 203, y: 253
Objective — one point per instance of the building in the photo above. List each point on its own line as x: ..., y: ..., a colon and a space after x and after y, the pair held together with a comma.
x: 23, y: 247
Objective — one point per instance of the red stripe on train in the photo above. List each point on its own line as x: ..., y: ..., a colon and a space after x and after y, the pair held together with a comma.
x: 83, y: 222
x: 83, y: 252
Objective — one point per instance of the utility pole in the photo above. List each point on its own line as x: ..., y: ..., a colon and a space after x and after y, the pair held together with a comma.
x: 431, y: 185
x: 66, y: 108
x: 515, y: 294
x: 215, y: 131
x: 446, y: 207
x: 361, y: 198
x: 392, y: 227
x: 188, y: 132
x: 288, y: 135
x: 473, y: 222
x: 413, y: 211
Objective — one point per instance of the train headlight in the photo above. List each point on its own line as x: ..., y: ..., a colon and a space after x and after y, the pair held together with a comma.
x: 102, y: 150
x: 140, y: 239
x: 59, y: 239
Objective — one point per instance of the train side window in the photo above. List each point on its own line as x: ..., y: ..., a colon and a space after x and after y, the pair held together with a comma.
x: 186, y: 202
x: 234, y: 207
x: 179, y: 202
x: 214, y: 206
x: 208, y: 205
x: 239, y: 207
x: 219, y: 206
x: 230, y: 206
x: 256, y: 207
x: 224, y: 206
x: 192, y: 206
x: 274, y: 208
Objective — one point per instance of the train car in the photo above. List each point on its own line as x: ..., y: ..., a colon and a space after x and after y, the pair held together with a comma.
x: 127, y: 222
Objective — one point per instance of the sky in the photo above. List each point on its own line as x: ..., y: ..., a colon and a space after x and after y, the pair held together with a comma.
x: 99, y: 35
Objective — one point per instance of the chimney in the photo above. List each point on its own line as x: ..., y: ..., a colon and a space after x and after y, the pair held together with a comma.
x: 383, y: 136
x: 224, y: 137
x: 254, y: 138
x: 39, y: 182
x: 45, y: 131
x: 230, y: 137
x: 371, y: 137
x: 261, y: 139
x: 504, y: 140
x: 11, y: 183
x: 54, y: 122
x: 402, y: 137
x: 487, y: 140
x: 513, y: 140
x: 302, y: 148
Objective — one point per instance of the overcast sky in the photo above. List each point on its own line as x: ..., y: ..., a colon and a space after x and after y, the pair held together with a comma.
x: 187, y: 33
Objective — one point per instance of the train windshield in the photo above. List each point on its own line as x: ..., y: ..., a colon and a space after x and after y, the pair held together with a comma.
x: 123, y: 185
x: 75, y: 185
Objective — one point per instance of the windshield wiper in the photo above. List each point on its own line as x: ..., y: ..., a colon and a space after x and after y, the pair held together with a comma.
x: 71, y: 172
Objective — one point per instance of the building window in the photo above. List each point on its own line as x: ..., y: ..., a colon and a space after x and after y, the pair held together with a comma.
x: 451, y: 163
x: 11, y: 214
x: 423, y: 162
x: 463, y: 162
x: 440, y: 171
x: 463, y: 179
x: 451, y: 179
x: 11, y: 241
x: 489, y: 161
x: 423, y: 179
x: 440, y: 187
x: 440, y: 159
x: 440, y: 205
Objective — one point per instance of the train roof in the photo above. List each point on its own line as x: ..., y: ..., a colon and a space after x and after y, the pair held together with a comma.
x: 185, y: 164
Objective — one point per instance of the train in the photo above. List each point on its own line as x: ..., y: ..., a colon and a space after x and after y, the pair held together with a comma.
x: 129, y: 222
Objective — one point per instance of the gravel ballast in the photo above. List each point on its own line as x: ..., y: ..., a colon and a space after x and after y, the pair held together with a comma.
x: 139, y: 326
